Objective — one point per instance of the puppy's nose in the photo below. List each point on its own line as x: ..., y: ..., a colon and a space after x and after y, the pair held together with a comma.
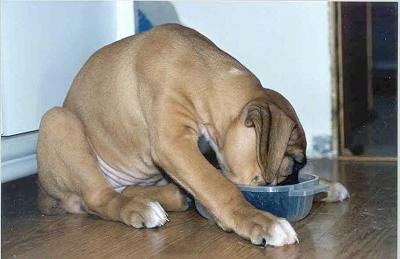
x: 300, y: 158
x: 298, y: 166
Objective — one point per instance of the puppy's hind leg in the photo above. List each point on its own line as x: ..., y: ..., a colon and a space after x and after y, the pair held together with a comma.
x: 71, y: 178
x: 336, y: 191
x: 47, y: 204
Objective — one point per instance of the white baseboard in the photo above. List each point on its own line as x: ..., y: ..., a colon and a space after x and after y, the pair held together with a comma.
x: 18, y: 156
x: 18, y: 168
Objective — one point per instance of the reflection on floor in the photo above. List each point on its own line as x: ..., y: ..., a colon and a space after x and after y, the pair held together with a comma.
x: 362, y: 227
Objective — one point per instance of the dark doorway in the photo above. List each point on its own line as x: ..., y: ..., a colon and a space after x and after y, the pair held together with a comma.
x: 367, y: 73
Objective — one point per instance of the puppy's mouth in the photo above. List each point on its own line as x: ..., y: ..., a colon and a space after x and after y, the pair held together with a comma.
x: 292, y: 178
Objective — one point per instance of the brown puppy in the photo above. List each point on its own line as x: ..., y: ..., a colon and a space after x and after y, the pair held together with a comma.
x: 138, y: 107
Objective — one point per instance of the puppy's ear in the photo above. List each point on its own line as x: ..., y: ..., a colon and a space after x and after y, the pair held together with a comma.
x: 257, y: 114
x: 298, y: 136
x: 273, y: 129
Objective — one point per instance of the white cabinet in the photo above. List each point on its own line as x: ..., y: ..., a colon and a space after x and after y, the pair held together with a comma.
x: 43, y: 46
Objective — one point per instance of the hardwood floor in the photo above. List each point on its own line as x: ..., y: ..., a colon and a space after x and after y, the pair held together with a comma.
x: 363, y: 227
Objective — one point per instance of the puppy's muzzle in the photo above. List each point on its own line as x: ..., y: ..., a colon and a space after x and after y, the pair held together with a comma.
x: 293, y: 178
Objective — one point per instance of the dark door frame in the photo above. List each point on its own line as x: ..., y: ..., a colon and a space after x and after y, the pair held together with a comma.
x: 336, y: 48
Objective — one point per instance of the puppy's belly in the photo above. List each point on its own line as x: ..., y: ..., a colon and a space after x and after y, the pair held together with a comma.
x: 121, y: 179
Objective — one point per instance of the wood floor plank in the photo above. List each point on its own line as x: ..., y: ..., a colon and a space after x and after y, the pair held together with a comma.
x: 362, y: 227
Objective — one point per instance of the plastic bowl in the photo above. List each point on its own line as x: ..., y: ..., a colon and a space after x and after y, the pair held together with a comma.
x: 292, y: 202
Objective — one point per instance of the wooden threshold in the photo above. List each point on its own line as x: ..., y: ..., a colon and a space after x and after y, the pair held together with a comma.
x: 368, y: 158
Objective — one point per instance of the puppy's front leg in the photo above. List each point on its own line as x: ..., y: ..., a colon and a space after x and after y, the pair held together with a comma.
x: 179, y: 156
x: 169, y: 196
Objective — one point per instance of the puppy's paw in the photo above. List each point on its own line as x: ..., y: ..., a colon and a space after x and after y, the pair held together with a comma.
x: 155, y: 216
x: 281, y: 233
x: 149, y: 215
x: 336, y: 192
x: 265, y: 229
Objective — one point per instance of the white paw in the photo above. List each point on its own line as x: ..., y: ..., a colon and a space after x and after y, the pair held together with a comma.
x: 281, y: 233
x: 156, y: 215
x: 336, y: 192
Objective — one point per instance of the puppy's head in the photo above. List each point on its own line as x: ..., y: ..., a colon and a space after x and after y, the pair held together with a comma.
x: 266, y: 144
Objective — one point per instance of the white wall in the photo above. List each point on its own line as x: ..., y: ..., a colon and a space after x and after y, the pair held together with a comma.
x: 285, y: 44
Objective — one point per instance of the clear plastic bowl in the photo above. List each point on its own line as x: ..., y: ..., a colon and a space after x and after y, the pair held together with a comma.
x: 292, y: 202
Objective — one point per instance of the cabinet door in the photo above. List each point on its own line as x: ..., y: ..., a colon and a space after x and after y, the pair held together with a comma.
x: 43, y: 46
